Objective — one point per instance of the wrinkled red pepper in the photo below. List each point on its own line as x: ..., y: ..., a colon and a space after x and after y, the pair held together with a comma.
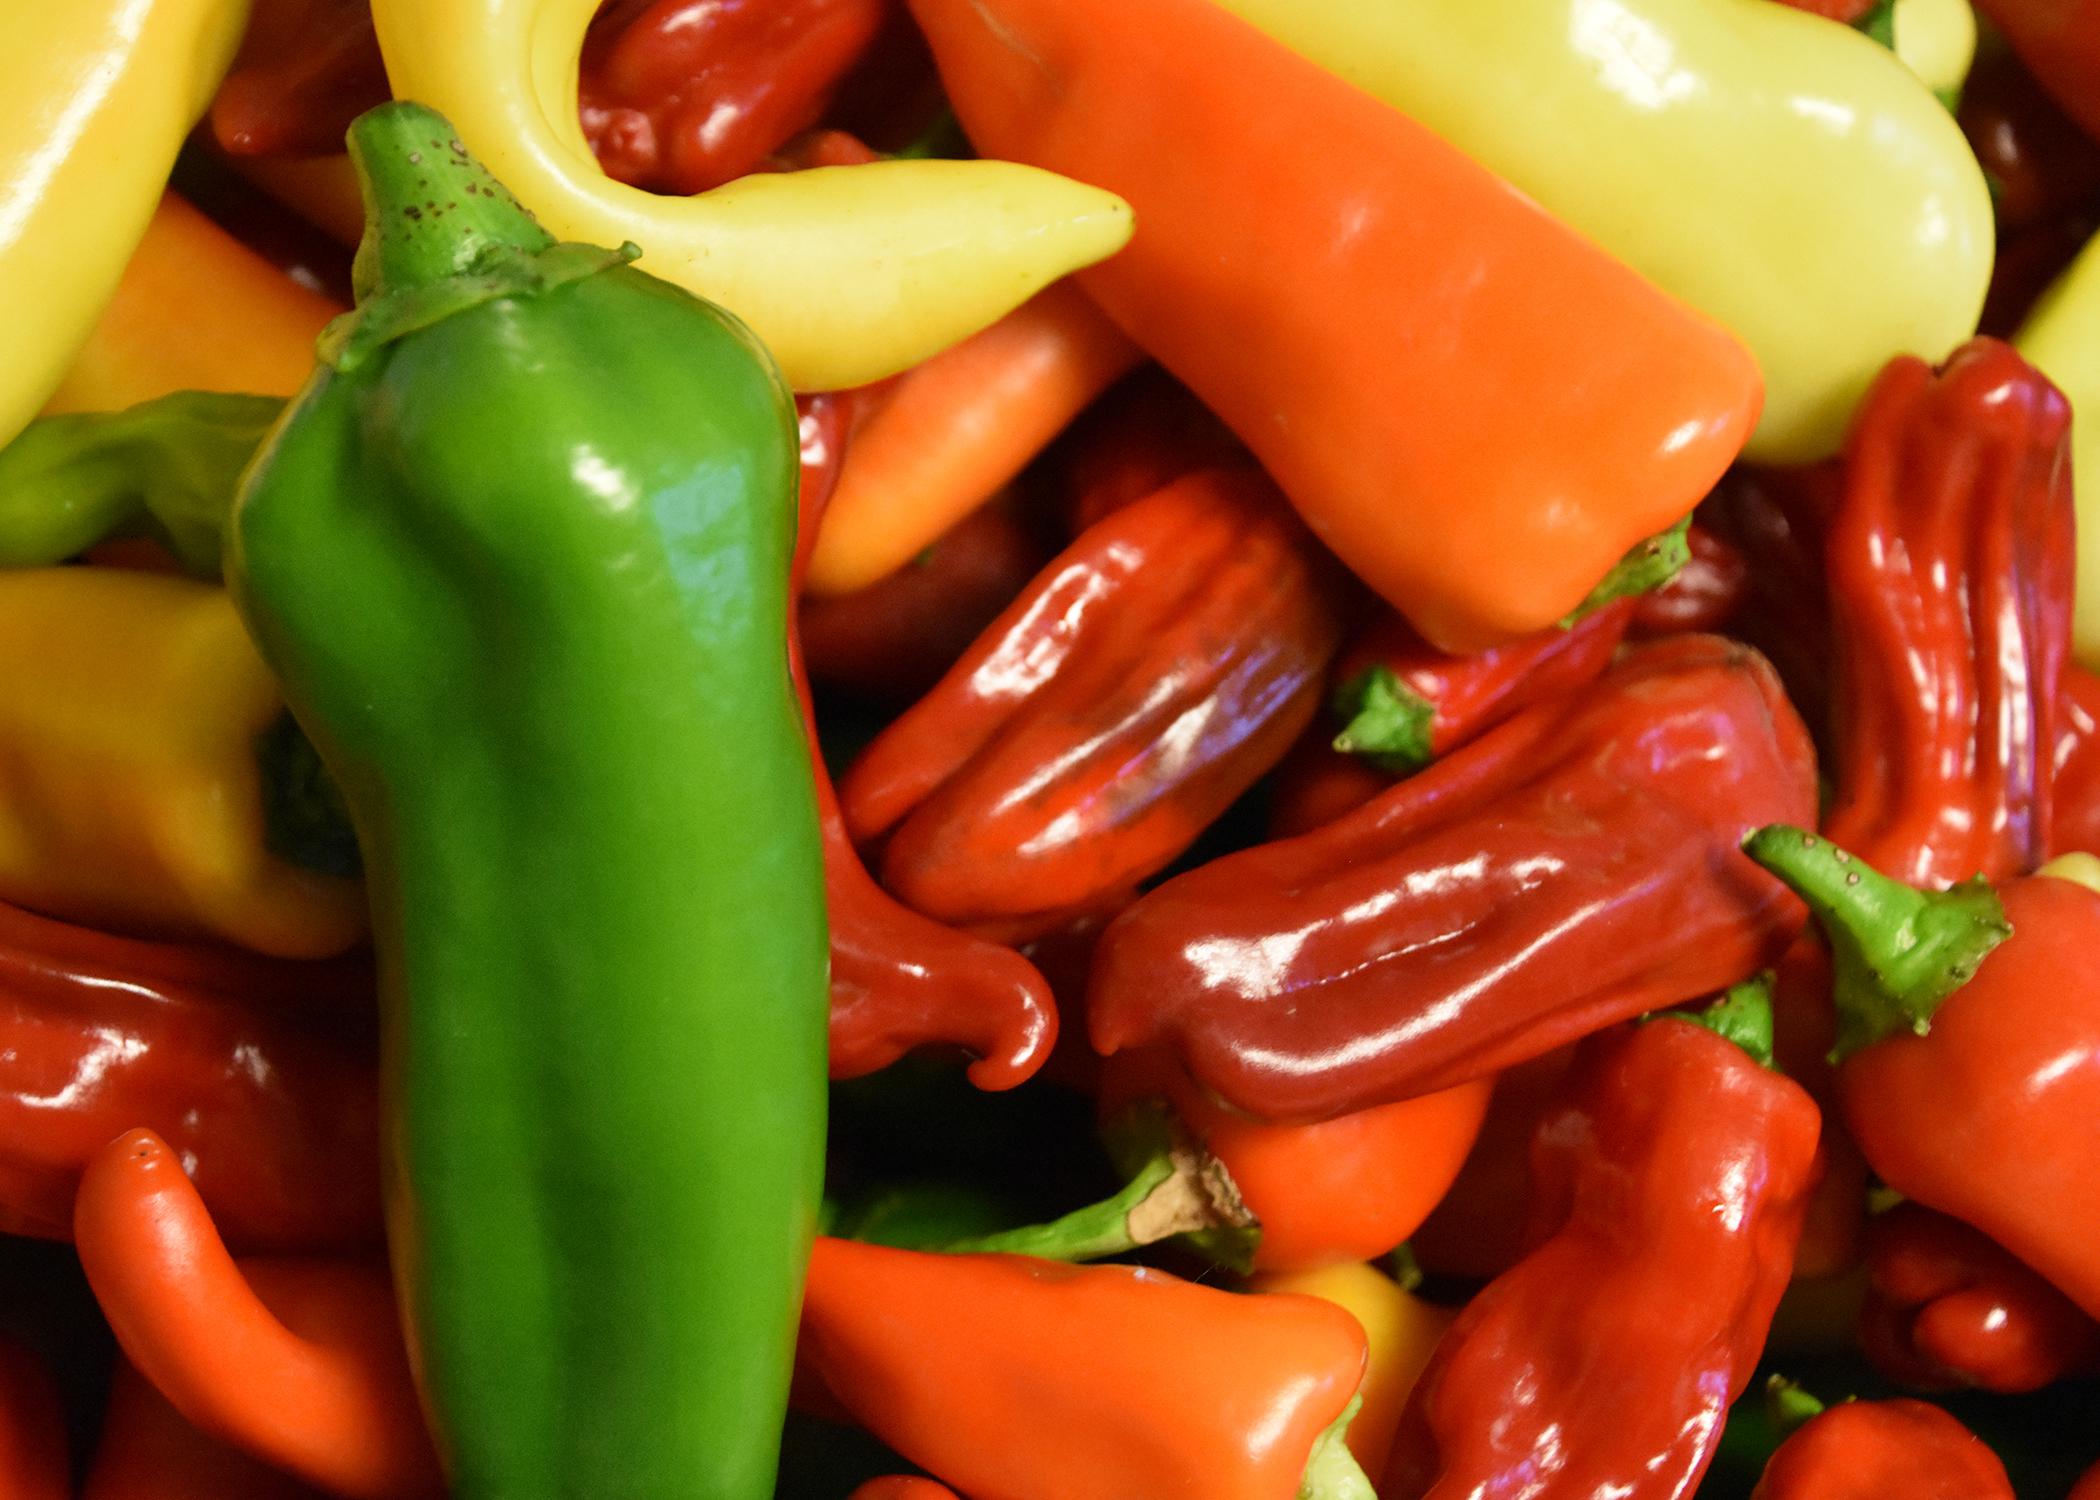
x: 1150, y: 675
x: 1947, y: 1308
x: 1970, y: 1058
x: 2075, y: 790
x: 679, y: 96
x: 260, y: 1072
x: 1949, y: 558
x: 1880, y: 1450
x: 899, y: 980
x: 1571, y: 868
x: 1669, y: 1185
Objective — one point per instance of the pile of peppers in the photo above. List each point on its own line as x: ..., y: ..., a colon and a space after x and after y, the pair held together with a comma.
x: 1037, y: 750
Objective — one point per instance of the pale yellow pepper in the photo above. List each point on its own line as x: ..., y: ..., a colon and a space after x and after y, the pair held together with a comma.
x: 131, y: 773
x: 1784, y: 174
x: 1936, y: 39
x: 96, y: 97
x: 848, y: 274
x: 2062, y: 338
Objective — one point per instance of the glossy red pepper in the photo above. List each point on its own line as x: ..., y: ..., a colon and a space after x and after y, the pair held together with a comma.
x: 1571, y: 868
x: 1948, y: 1308
x: 903, y: 1487
x: 148, y: 1450
x: 33, y: 1461
x: 1970, y: 1072
x: 1146, y: 432
x: 1669, y: 1185
x: 679, y: 96
x: 1949, y: 558
x: 1150, y: 675
x: 1707, y: 593
x: 1877, y: 1450
x: 260, y: 1072
x: 2039, y: 163
x: 1013, y: 1379
x: 1776, y: 518
x: 1476, y: 1231
x: 899, y: 980
x: 2074, y: 823
x: 2059, y: 40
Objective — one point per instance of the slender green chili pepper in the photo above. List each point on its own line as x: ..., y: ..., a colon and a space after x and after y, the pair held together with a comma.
x: 519, y: 553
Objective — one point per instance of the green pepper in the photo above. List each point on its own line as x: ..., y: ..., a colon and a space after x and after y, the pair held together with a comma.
x: 519, y: 554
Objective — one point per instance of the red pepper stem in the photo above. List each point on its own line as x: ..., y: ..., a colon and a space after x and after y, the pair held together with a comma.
x: 1743, y: 1015
x: 1176, y: 1188
x: 1788, y: 1407
x: 1897, y: 952
x: 1387, y: 723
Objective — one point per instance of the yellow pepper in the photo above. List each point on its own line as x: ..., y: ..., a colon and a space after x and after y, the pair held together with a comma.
x: 98, y: 96
x: 133, y: 737
x: 1401, y: 1331
x: 2061, y: 337
x: 1783, y: 174
x: 848, y: 274
x: 1936, y: 39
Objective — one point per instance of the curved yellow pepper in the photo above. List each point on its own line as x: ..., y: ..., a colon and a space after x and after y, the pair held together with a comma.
x: 848, y: 274
x: 131, y: 788
x: 1784, y: 174
x: 2061, y: 338
x: 98, y: 96
x: 1937, y: 41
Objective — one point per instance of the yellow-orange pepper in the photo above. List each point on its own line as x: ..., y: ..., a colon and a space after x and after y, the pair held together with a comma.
x: 132, y: 789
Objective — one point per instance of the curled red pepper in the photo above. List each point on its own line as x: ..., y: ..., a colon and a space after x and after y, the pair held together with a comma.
x: 1145, y: 679
x: 259, y: 1071
x: 1947, y: 1308
x: 1874, y: 1450
x: 1949, y: 558
x: 1571, y: 868
x: 1669, y: 1185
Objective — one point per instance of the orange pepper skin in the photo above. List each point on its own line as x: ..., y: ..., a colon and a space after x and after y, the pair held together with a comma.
x: 299, y: 1362
x: 2088, y: 1486
x: 148, y: 1451
x: 1012, y: 1378
x: 196, y: 311
x: 33, y: 1463
x: 903, y: 1487
x: 1479, y: 411
x: 1334, y: 1193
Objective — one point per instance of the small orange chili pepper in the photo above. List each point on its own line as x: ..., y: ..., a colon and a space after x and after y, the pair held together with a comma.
x: 147, y: 1451
x: 188, y: 274
x: 298, y: 1362
x: 33, y: 1462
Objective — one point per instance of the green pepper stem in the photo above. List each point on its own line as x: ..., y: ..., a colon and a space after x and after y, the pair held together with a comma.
x: 1788, y: 1407
x: 1331, y: 1470
x: 1387, y: 722
x: 1897, y: 952
x: 1743, y: 1015
x: 432, y: 211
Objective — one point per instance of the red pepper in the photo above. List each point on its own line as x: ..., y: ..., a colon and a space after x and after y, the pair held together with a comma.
x: 1571, y: 868
x: 2059, y: 40
x: 1845, y: 11
x: 1707, y: 593
x: 1476, y: 1231
x: 1150, y: 675
x: 2088, y: 1486
x: 1949, y: 559
x: 1970, y: 1059
x: 903, y: 1487
x: 679, y: 96
x: 2039, y: 164
x: 1013, y: 1378
x: 898, y: 980
x: 2075, y: 789
x: 1878, y: 1450
x: 1141, y: 436
x: 306, y: 69
x: 147, y: 1450
x: 1776, y: 518
x: 1947, y: 1308
x: 1669, y: 1185
x: 260, y: 1071
x: 33, y: 1461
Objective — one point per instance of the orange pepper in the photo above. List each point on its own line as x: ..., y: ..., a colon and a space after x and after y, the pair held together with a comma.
x: 32, y: 1429
x: 147, y: 1451
x: 1476, y: 408
x: 1010, y: 1377
x: 951, y: 432
x: 196, y: 310
x: 297, y: 1362
x: 1401, y: 1330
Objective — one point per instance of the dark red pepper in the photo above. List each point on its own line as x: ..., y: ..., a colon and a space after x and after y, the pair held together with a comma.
x: 1144, y: 433
x: 1571, y: 868
x: 1707, y: 593
x: 899, y: 980
x: 2074, y: 822
x: 2059, y: 41
x: 260, y: 1072
x: 1882, y: 1450
x: 1150, y: 675
x: 1776, y: 519
x: 1669, y: 1184
x: 1947, y: 1308
x: 2039, y: 163
x: 306, y: 69
x: 1949, y: 558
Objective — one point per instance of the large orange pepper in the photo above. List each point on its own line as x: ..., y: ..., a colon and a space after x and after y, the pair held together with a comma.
x: 1479, y: 410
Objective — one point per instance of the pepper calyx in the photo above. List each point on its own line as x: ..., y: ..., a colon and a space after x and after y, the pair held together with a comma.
x: 1743, y: 1015
x: 1331, y: 1470
x: 1386, y: 722
x: 1646, y: 568
x: 1898, y: 953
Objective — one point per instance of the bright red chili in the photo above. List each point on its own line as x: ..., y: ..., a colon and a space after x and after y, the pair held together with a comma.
x: 260, y: 1072
x: 1149, y: 676
x: 1879, y: 1450
x: 1669, y: 1184
x: 1571, y: 868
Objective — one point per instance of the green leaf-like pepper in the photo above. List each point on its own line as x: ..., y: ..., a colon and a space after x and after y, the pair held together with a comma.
x: 519, y: 554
